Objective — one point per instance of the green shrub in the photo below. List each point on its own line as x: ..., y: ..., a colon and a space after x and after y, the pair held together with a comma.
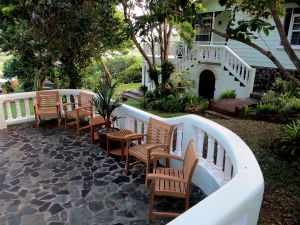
x: 167, y: 104
x: 268, y: 108
x: 181, y: 79
x: 228, y: 94
x: 291, y: 106
x: 167, y: 68
x: 282, y: 86
x: 132, y: 74
x: 7, y: 86
x: 291, y: 139
x: 269, y: 97
x: 174, y: 102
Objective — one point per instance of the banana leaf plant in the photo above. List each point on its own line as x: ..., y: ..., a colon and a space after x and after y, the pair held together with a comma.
x: 104, y: 102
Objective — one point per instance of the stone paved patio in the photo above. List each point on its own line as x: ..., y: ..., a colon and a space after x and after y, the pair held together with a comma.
x: 52, y: 176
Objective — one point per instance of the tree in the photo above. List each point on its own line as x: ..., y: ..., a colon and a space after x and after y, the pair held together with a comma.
x: 155, y: 25
x: 60, y: 37
x: 259, y: 13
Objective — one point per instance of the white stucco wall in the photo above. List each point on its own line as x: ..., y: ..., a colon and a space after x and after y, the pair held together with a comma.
x: 270, y: 42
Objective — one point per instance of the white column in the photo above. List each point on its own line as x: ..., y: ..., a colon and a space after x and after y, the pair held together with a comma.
x: 18, y: 108
x: 139, y: 126
x: 8, y: 110
x: 145, y: 132
x: 228, y: 168
x: 210, y: 151
x: 213, y: 27
x: 27, y: 107
x: 69, y: 107
x: 178, y: 150
x: 220, y: 158
x: 200, y: 143
x: 2, y: 118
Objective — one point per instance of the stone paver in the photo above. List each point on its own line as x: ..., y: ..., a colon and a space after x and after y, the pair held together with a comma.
x: 52, y: 176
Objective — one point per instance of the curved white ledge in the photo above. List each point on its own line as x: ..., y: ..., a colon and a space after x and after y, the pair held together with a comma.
x: 229, y: 173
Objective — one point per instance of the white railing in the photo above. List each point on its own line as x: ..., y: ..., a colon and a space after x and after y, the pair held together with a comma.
x: 219, y: 54
x: 227, y: 170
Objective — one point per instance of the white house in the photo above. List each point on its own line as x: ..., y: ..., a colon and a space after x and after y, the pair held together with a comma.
x: 216, y: 64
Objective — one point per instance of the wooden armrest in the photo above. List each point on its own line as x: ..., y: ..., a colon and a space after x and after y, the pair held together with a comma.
x: 70, y: 103
x: 150, y: 148
x: 165, y: 155
x: 153, y: 176
x: 87, y: 107
x: 66, y: 104
x: 134, y: 136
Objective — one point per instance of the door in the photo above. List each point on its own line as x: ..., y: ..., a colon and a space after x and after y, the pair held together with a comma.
x: 207, y: 84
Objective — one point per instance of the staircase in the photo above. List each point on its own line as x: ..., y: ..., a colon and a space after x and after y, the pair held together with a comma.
x: 235, y: 70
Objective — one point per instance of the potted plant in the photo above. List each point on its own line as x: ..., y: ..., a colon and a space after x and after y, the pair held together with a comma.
x: 105, y: 105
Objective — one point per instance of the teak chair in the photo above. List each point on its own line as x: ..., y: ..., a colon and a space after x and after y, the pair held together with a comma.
x: 158, y: 139
x: 172, y: 182
x: 47, y: 104
x: 82, y: 109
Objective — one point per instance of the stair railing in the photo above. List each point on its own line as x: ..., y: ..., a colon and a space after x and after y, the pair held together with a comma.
x: 222, y: 55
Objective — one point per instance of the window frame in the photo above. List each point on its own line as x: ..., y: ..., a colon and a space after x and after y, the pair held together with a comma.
x: 292, y: 22
x: 209, y: 34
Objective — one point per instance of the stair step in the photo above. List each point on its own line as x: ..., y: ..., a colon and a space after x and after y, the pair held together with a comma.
x: 218, y: 114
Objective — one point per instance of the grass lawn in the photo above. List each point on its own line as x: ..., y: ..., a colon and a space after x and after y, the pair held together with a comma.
x: 281, y: 203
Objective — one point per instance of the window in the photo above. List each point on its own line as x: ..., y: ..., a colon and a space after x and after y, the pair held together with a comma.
x: 204, y: 35
x: 292, y: 25
x: 295, y: 30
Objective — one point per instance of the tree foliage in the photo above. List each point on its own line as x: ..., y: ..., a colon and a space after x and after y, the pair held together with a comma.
x: 59, y: 37
x: 155, y: 24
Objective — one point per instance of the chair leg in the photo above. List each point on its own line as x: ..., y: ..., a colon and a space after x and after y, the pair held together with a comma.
x: 65, y: 121
x: 187, y: 203
x: 147, y: 171
x: 107, y: 146
x: 58, y: 120
x: 36, y: 121
x: 78, y: 126
x: 151, y: 202
x: 127, y: 164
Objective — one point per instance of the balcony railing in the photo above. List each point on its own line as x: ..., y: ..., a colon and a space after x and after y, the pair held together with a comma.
x: 227, y: 170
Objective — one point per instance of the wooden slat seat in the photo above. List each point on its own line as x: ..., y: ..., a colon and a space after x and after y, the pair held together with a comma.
x: 167, y: 187
x: 47, y: 104
x: 81, y: 113
x: 138, y: 151
x: 170, y: 181
x: 158, y: 139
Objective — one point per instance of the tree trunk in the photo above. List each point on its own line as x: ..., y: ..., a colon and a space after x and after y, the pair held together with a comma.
x: 106, y: 70
x: 161, y: 44
x: 167, y: 42
x: 284, y: 41
x: 135, y: 41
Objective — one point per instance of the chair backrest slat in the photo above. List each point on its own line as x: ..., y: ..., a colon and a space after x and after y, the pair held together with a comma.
x: 190, y: 161
x: 159, y: 132
x: 47, y: 99
x: 85, y: 100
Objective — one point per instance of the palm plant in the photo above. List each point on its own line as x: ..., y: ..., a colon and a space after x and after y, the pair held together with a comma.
x: 104, y: 102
